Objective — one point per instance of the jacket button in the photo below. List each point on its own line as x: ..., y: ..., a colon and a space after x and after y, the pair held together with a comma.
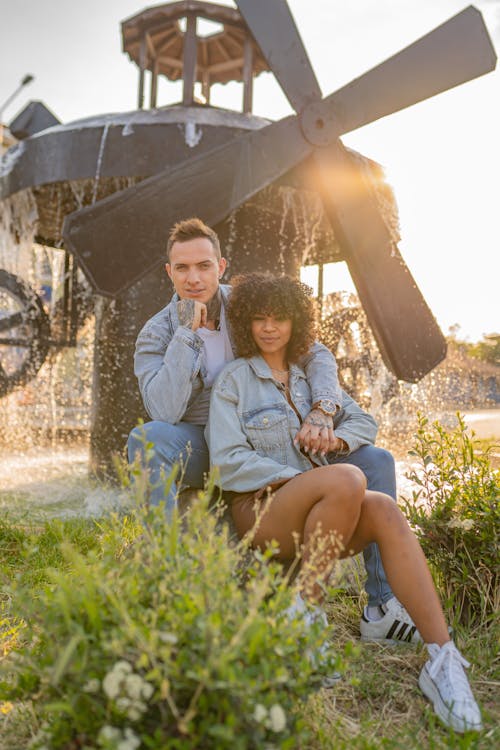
x: 265, y: 420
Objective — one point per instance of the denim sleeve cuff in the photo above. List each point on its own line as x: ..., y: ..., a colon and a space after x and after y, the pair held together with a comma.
x: 352, y: 441
x: 189, y: 337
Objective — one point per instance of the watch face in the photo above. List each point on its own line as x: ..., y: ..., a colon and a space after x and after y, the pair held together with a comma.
x: 328, y: 407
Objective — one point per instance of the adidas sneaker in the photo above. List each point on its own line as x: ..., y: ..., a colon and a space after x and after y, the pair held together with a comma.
x: 395, y: 625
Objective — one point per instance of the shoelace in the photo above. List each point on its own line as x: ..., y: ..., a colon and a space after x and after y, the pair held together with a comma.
x: 397, y: 611
x: 449, y: 657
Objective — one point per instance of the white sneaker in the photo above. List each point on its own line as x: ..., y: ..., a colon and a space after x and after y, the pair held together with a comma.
x: 444, y: 682
x: 311, y: 615
x: 297, y: 609
x: 396, y: 625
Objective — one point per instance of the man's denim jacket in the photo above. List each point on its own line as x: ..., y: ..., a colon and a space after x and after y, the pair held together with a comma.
x: 171, y: 372
x: 251, y: 426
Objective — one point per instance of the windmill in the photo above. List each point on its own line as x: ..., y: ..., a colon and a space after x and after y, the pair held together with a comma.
x: 118, y: 239
x: 109, y: 188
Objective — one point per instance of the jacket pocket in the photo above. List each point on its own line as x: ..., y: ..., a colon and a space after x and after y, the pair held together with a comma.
x: 266, y: 429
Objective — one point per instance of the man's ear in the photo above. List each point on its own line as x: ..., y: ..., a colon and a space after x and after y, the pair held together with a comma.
x: 168, y: 270
x: 222, y: 267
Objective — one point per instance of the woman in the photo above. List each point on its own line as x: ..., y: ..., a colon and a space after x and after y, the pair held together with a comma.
x: 256, y: 409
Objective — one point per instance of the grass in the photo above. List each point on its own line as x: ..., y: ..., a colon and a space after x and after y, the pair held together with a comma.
x: 28, y: 551
x: 377, y: 704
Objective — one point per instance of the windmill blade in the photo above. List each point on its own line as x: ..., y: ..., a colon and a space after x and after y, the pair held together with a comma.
x: 457, y: 51
x: 274, y: 29
x: 122, y: 237
x: 406, y: 332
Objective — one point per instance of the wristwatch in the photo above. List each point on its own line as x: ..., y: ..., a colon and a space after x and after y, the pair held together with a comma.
x: 327, y: 406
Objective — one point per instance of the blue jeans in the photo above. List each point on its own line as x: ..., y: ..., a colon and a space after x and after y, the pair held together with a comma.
x: 184, y: 443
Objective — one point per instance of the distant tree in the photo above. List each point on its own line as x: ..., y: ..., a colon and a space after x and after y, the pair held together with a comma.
x: 488, y: 349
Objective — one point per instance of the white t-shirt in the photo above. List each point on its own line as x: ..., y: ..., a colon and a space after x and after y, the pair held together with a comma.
x: 217, y: 350
x: 213, y: 352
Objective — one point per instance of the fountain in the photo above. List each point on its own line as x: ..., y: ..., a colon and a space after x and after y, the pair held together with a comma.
x: 53, y: 177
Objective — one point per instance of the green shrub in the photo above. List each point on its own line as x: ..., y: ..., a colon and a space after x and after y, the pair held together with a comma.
x: 456, y: 514
x: 157, y: 638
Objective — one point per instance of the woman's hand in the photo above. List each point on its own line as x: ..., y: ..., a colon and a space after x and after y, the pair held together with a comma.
x: 317, y: 436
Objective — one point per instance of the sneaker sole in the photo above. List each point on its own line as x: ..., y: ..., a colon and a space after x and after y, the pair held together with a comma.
x: 441, y: 710
x: 387, y: 641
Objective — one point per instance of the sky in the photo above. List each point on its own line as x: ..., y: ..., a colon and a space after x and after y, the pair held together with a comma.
x: 442, y: 156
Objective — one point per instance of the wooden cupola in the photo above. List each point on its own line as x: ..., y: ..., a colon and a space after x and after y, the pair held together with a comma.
x: 166, y: 40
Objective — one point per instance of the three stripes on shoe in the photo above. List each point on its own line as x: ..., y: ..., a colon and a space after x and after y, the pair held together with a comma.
x: 399, y: 635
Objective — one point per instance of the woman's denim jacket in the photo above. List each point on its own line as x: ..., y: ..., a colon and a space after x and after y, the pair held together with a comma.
x: 169, y: 366
x: 251, y: 426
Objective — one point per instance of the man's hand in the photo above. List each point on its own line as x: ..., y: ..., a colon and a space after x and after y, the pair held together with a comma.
x: 317, y: 436
x: 191, y: 313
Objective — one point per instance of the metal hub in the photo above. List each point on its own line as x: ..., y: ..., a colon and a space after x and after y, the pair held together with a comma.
x: 318, y: 127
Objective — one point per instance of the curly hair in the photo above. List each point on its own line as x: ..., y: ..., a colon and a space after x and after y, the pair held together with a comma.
x: 281, y: 296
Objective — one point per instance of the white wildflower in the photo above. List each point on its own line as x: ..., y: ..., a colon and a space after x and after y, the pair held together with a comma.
x: 147, y: 690
x: 260, y: 713
x: 133, y: 686
x: 136, y: 710
x: 130, y: 741
x: 123, y: 704
x: 168, y: 638
x: 108, y: 734
x: 92, y: 686
x: 122, y: 666
x: 112, y: 684
x: 277, y: 718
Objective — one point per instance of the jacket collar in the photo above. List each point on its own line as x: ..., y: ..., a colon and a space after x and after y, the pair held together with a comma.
x: 262, y: 369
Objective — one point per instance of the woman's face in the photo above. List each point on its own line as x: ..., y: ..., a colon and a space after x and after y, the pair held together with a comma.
x: 271, y: 334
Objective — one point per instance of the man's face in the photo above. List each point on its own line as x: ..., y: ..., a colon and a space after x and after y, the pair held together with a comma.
x: 195, y: 269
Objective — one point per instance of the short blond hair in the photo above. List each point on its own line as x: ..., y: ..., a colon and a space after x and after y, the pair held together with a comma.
x: 190, y: 229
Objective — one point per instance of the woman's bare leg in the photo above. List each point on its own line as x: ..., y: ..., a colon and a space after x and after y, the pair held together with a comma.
x: 307, y: 509
x: 404, y: 562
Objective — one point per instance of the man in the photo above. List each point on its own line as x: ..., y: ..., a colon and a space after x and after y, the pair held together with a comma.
x: 179, y: 353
